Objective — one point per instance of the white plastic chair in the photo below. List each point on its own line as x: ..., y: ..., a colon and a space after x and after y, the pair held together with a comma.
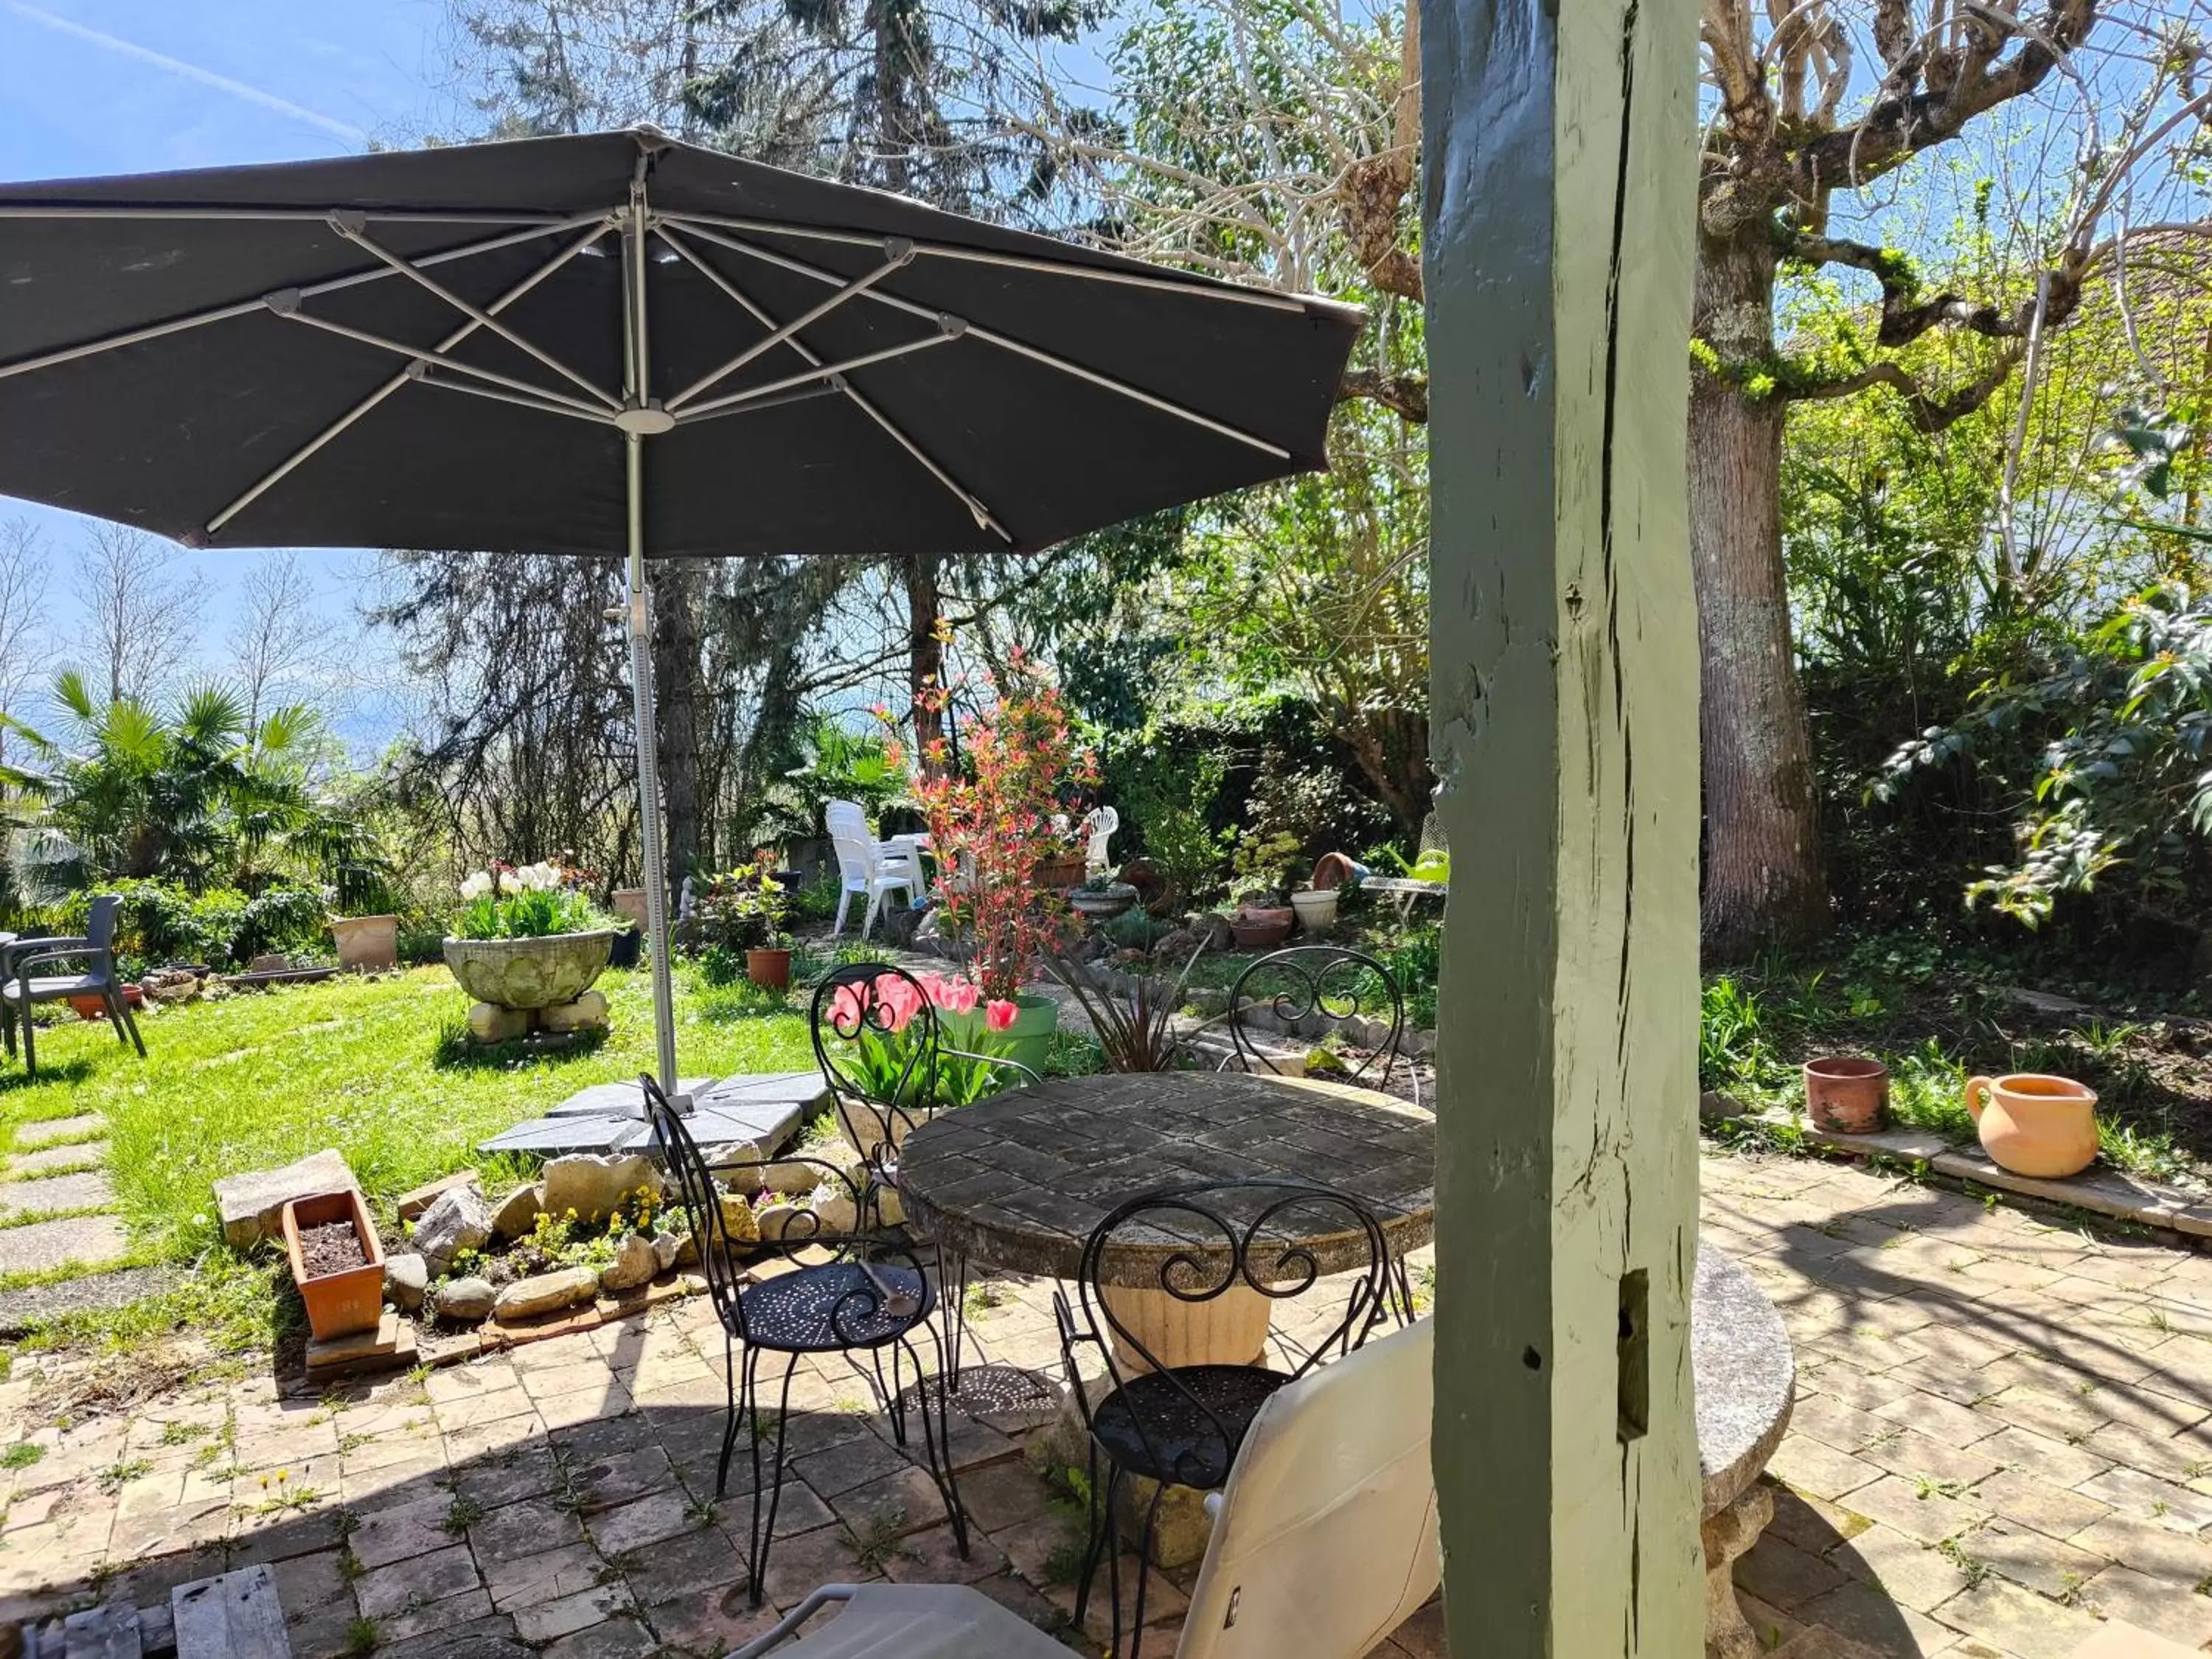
x: 1324, y: 1539
x: 867, y: 867
x: 1099, y: 824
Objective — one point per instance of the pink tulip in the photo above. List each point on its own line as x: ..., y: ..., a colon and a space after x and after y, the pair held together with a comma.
x: 959, y: 996
x: 999, y: 1014
x: 898, y: 1000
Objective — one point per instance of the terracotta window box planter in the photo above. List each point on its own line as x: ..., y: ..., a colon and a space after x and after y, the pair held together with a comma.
x: 348, y: 1301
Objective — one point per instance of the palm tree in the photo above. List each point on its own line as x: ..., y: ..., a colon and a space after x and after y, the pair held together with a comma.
x: 199, y: 795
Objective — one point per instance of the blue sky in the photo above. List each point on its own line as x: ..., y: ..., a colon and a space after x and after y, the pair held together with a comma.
x: 132, y: 86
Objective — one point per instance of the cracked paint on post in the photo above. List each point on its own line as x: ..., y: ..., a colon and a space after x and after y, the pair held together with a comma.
x: 1559, y: 215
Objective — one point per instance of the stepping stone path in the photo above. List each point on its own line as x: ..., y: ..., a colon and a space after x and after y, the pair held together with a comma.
x: 47, y: 1176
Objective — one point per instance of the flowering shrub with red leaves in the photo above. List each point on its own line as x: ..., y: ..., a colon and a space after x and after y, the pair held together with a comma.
x: 1017, y: 799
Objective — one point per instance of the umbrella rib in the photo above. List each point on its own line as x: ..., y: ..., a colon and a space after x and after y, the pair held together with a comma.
x: 575, y: 407
x: 350, y: 226
x: 283, y: 469
x: 980, y: 514
x: 738, y: 400
x: 896, y: 254
x: 245, y: 307
x: 1264, y: 298
x: 213, y: 212
x: 1004, y: 342
x: 287, y: 307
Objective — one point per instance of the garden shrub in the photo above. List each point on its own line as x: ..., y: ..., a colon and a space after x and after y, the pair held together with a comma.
x: 222, y: 927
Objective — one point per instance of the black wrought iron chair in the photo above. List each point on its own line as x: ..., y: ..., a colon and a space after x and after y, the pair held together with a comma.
x: 1181, y: 1425
x: 23, y: 988
x: 882, y: 1050
x: 851, y: 1294
x: 1335, y: 981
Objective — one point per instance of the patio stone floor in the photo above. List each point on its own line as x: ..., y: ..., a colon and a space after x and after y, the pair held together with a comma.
x: 2004, y: 1433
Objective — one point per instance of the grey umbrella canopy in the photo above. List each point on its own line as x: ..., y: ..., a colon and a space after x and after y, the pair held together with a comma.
x: 617, y: 343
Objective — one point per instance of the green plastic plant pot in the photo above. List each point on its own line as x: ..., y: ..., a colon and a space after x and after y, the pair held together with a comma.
x: 1028, y: 1040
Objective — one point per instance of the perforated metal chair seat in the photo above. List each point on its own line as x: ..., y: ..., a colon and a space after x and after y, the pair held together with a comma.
x: 829, y: 1309
x: 1185, y: 1415
x: 59, y: 985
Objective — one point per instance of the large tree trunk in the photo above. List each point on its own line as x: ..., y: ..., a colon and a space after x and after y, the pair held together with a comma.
x: 1764, y: 880
x: 677, y: 678
x: 925, y: 652
x: 1391, y: 748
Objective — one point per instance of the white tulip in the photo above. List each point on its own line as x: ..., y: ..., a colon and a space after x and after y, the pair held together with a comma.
x: 476, y: 886
x: 509, y: 882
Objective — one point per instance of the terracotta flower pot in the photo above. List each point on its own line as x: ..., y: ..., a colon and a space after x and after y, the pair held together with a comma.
x: 1847, y: 1093
x: 770, y: 968
x: 339, y: 1303
x: 94, y: 1008
x: 2035, y: 1125
x: 1335, y: 870
x: 1255, y: 928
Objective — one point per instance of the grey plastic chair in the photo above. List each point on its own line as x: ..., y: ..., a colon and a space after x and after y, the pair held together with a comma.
x: 21, y: 988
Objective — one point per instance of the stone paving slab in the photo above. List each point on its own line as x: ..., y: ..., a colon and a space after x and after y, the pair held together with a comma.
x: 2106, y: 1191
x: 20, y: 1310
x: 766, y: 1108
x: 26, y: 1165
x: 48, y: 1131
x: 91, y: 1240
x: 91, y: 1190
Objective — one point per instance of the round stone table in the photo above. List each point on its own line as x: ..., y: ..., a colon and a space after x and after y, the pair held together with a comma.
x: 1019, y: 1182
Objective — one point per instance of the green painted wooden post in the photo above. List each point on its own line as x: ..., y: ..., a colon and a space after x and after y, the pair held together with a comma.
x: 1560, y: 173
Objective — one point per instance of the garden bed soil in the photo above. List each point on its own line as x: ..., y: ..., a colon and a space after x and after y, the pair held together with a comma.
x: 332, y: 1247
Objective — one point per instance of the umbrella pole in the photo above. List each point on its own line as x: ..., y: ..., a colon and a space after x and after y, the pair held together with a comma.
x: 649, y: 775
x: 638, y: 417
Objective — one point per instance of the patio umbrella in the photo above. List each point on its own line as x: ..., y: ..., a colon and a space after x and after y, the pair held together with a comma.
x: 618, y: 342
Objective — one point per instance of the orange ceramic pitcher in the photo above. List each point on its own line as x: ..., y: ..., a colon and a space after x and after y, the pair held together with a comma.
x: 2035, y: 1125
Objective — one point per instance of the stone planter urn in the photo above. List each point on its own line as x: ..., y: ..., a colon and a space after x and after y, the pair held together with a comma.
x: 366, y: 944
x: 521, y: 983
x: 530, y: 973
x: 1102, y: 904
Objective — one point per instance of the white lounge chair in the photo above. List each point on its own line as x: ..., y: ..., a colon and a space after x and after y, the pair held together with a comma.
x: 1324, y: 1539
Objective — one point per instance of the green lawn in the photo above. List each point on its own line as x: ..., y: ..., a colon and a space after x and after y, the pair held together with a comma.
x: 368, y: 1066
